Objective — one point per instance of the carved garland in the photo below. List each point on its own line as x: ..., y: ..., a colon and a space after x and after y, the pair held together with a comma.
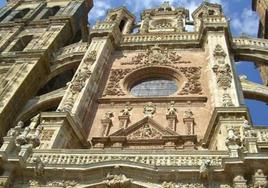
x: 79, y: 81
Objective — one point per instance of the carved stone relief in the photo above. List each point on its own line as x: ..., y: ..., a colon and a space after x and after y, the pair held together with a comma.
x: 156, y: 56
x: 227, y: 100
x: 222, y: 69
x: 149, y: 110
x: 79, y: 81
x: 193, y: 85
x: 113, y: 87
x: 146, y: 132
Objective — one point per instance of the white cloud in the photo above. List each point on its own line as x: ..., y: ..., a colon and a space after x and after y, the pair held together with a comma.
x: 246, y: 22
x: 99, y: 9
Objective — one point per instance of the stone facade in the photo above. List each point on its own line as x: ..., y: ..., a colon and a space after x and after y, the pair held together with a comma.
x: 70, y: 116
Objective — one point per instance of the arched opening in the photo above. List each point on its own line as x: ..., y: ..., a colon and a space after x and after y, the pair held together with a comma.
x: 21, y: 14
x: 211, y: 12
x: 257, y: 108
x: 21, y: 43
x: 122, y: 25
x: 57, y: 82
x: 51, y: 12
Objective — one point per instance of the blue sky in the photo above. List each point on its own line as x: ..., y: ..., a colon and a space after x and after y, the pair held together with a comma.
x: 243, y: 20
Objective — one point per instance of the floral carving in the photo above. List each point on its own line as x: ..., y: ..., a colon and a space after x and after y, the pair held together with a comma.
x: 47, y: 134
x: 223, y: 73
x: 156, y: 56
x: 79, y: 81
x: 193, y: 85
x: 222, y: 69
x: 146, y: 132
x: 113, y: 87
x: 181, y: 185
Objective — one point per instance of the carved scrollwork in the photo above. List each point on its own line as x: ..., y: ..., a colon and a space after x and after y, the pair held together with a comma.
x: 113, y: 87
x: 193, y: 85
x: 156, y: 56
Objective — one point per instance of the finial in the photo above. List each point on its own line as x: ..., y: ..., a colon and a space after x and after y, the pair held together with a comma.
x: 165, y: 4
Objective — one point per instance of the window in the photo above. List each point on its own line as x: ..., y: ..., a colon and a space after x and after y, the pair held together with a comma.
x: 154, y: 87
x: 21, y: 43
x: 21, y: 14
x: 122, y: 25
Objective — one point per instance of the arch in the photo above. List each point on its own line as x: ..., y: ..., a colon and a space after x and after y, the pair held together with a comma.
x: 21, y: 14
x: 56, y: 82
x: 52, y: 11
x: 251, y: 49
x: 41, y: 103
x: 122, y: 24
x: 149, y: 72
x: 21, y: 43
x: 254, y: 91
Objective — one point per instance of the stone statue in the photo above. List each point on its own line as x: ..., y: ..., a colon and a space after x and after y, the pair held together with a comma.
x: 108, y: 115
x: 171, y: 110
x: 126, y: 111
x: 115, y: 181
x: 188, y: 114
x: 204, y: 168
x: 16, y: 130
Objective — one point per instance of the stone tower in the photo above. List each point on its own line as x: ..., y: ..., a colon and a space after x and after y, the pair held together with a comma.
x: 160, y: 106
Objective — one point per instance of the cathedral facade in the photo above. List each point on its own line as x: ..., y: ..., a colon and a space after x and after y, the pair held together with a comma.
x: 126, y: 104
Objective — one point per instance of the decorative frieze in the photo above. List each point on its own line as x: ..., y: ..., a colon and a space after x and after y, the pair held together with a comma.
x: 154, y: 160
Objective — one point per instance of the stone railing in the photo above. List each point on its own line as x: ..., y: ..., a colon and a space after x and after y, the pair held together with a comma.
x: 138, y: 38
x: 215, y: 19
x: 253, y: 42
x: 262, y: 135
x: 85, y: 158
x: 73, y: 49
x: 103, y: 25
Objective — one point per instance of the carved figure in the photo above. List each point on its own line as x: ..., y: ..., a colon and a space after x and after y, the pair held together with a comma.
x: 260, y: 180
x: 39, y: 166
x: 126, y: 111
x: 188, y: 114
x: 115, y: 181
x: 227, y: 100
x: 171, y: 110
x: 16, y: 130
x: 149, y: 110
x: 168, y: 185
x: 108, y: 115
x: 204, y: 168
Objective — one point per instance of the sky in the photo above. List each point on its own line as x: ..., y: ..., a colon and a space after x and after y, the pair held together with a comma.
x: 243, y: 21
